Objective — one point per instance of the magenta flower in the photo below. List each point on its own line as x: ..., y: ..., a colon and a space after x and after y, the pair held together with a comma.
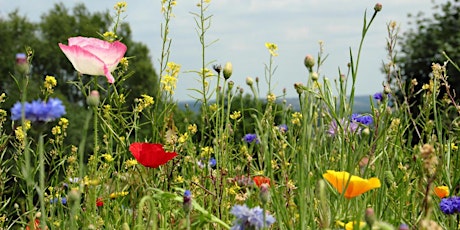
x: 93, y: 56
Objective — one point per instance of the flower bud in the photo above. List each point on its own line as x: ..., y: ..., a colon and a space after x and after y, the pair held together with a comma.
x: 298, y: 87
x: 93, y: 99
x: 217, y: 68
x: 309, y: 62
x: 187, y: 204
x: 125, y: 226
x: 314, y: 76
x: 249, y: 81
x: 264, y: 194
x: 230, y: 85
x: 227, y: 71
x: 369, y: 216
x: 378, y: 7
x: 386, y: 89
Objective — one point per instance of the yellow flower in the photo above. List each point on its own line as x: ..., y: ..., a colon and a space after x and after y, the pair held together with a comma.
x: 441, y: 191
x: 49, y: 84
x: 130, y: 163
x: 351, y: 185
x: 179, y: 179
x: 235, y: 115
x: 296, y: 117
x: 118, y: 194
x: 206, y: 151
x: 351, y: 225
x: 120, y: 6
x: 169, y: 80
x: 183, y: 138
x: 108, y: 157
x: 272, y: 48
x: 192, y: 128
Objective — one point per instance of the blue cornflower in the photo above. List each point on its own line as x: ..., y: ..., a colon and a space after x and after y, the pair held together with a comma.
x: 283, y: 128
x: 450, y: 205
x: 56, y: 200
x: 250, y: 218
x: 187, y: 203
x: 378, y: 96
x: 38, y: 110
x: 212, y: 162
x: 251, y: 137
x: 363, y: 119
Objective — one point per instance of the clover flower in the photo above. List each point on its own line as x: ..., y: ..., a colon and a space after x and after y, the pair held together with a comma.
x: 251, y: 137
x: 253, y: 218
x: 38, y: 110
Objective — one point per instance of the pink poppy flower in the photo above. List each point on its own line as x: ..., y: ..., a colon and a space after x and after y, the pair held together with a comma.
x: 93, y: 56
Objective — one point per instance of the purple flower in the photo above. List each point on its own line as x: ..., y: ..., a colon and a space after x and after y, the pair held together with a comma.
x: 345, y: 125
x: 283, y: 128
x: 363, y: 119
x: 250, y: 218
x: 251, y: 137
x: 450, y: 205
x: 378, y: 96
x: 38, y: 110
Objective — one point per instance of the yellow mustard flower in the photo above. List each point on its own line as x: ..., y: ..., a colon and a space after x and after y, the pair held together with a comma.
x: 351, y: 225
x: 183, y: 138
x: 49, y: 84
x: 118, y: 194
x: 272, y: 48
x: 441, y: 191
x: 108, y: 157
x: 192, y: 128
x: 235, y: 115
x: 130, y: 163
x: 350, y: 185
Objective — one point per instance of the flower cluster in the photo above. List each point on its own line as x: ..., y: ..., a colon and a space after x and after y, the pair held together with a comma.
x: 272, y: 48
x: 450, y: 205
x: 38, y: 110
x: 169, y: 80
x: 253, y: 218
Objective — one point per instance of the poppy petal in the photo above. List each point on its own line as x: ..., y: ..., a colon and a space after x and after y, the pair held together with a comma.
x: 150, y: 155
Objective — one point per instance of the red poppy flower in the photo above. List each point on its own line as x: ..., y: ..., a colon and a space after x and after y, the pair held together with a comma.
x: 259, y: 180
x: 150, y: 155
x: 99, y: 202
x: 36, y: 225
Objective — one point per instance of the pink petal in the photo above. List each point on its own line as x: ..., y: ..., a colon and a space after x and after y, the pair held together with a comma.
x: 83, y: 61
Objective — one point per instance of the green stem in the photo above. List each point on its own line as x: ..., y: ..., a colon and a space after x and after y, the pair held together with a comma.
x: 41, y: 188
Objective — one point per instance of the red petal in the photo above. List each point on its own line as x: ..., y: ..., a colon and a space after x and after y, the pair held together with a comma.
x: 150, y: 155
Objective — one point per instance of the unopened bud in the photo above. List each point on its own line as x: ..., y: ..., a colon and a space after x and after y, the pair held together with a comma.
x: 228, y: 69
x: 403, y: 227
x: 93, y: 99
x: 378, y: 7
x: 125, y: 226
x: 314, y: 76
x: 369, y: 216
x: 217, y: 68
x: 249, y: 81
x: 298, y: 87
x: 187, y: 204
x: 230, y: 85
x: 309, y: 62
x: 386, y: 89
x: 264, y: 194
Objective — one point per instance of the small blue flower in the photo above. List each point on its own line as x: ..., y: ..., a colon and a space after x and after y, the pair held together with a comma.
x: 450, y: 205
x: 283, y: 128
x: 250, y: 218
x: 63, y: 200
x: 187, y: 203
x: 38, y: 110
x: 251, y: 137
x: 363, y: 119
x: 212, y: 162
x: 378, y: 96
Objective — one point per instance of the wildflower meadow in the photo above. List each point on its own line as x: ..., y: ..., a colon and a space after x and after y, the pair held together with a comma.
x: 251, y: 162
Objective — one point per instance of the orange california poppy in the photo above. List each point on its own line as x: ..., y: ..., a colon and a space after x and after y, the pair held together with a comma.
x: 441, y: 191
x: 351, y: 185
x: 259, y: 180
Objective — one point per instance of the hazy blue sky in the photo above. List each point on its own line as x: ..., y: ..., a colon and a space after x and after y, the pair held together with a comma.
x: 243, y: 27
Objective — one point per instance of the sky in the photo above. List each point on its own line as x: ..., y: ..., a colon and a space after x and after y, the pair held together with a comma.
x: 240, y: 29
